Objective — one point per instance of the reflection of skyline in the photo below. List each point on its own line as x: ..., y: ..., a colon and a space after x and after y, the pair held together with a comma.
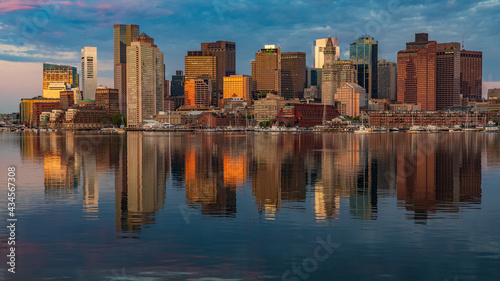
x: 282, y: 171
x: 434, y: 174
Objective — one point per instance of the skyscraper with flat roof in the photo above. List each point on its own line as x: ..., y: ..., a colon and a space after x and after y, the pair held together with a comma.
x: 225, y: 52
x: 177, y: 85
x: 387, y: 80
x: 364, y: 55
x: 293, y: 74
x: 471, y: 74
x: 89, y: 72
x: 268, y: 69
x: 197, y: 92
x: 237, y: 85
x: 417, y: 73
x: 123, y: 35
x: 145, y: 80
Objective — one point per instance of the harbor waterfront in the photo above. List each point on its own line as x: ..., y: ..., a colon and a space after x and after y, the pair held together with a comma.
x: 244, y: 205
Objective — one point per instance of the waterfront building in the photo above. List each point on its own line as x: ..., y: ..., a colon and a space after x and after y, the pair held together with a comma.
x: 293, y: 74
x: 214, y: 120
x: 108, y: 99
x: 417, y: 73
x: 319, y: 48
x: 306, y: 115
x: 267, y: 108
x: 177, y: 88
x: 89, y: 72
x: 351, y: 98
x: 329, y: 72
x: 123, y: 36
x: 30, y: 109
x: 387, y: 80
x: 407, y: 119
x: 197, y: 92
x: 268, y: 70
x: 237, y: 86
x: 364, y: 55
x: 61, y: 74
x: 145, y: 78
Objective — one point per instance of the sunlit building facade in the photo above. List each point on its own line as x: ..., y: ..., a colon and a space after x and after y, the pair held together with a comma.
x: 89, y: 72
x: 237, y: 85
x: 56, y: 73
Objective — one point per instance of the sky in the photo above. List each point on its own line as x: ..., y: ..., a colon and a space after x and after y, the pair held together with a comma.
x: 37, y: 31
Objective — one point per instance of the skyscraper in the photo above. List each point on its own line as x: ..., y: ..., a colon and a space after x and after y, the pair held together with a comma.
x: 198, y: 92
x: 364, y: 55
x: 329, y: 71
x: 387, y: 80
x: 346, y: 72
x: 268, y: 69
x: 319, y: 48
x: 123, y: 35
x: 89, y: 72
x: 237, y: 85
x: 417, y: 73
x: 56, y: 73
x: 471, y: 74
x: 447, y: 75
x: 145, y: 80
x: 177, y: 87
x: 201, y: 65
x: 293, y: 74
x: 225, y: 52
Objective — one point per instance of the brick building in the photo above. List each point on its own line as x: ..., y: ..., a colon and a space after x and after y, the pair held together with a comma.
x: 306, y: 115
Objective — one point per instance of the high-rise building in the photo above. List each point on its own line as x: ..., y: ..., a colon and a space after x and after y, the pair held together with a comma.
x: 108, y: 99
x: 437, y: 75
x: 70, y: 97
x: 364, y: 55
x: 351, y: 98
x: 253, y: 70
x: 123, y: 35
x: 471, y: 74
x: 237, y: 85
x: 268, y: 69
x: 319, y: 48
x: 89, y: 72
x: 313, y: 77
x: 387, y: 80
x: 346, y: 72
x: 293, y: 74
x: 197, y: 92
x: 417, y: 73
x: 225, y: 52
x: 447, y: 75
x: 177, y: 88
x: 145, y: 80
x: 329, y: 72
x: 200, y: 65
x: 56, y: 73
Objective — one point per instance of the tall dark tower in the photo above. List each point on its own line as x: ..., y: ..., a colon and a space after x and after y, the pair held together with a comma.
x: 123, y: 35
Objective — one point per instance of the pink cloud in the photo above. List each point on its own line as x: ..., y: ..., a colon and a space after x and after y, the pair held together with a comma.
x: 16, y: 5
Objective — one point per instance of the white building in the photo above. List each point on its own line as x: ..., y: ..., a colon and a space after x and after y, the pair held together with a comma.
x: 89, y: 72
x: 319, y: 48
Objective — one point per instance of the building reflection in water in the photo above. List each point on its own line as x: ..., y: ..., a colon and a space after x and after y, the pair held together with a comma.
x: 215, y: 165
x: 140, y: 193
x: 340, y: 173
x: 434, y: 176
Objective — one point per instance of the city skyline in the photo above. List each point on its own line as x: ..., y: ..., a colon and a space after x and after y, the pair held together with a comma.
x: 23, y: 50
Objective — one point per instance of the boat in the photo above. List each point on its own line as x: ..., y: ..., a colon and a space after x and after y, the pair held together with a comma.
x: 394, y: 129
x: 362, y: 130
x: 414, y: 130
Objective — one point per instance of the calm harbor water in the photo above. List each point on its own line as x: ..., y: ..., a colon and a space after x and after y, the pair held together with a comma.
x: 256, y: 206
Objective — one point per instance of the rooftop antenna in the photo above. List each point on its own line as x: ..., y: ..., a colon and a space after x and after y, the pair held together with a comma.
x: 463, y: 42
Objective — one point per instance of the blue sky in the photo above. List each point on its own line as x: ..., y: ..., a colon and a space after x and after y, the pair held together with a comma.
x: 37, y: 31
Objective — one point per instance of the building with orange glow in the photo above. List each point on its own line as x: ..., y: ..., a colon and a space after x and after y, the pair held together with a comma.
x: 197, y: 92
x: 30, y: 109
x: 108, y: 99
x: 237, y: 85
x: 268, y: 70
x: 417, y: 73
x: 351, y: 98
x: 225, y: 52
x: 56, y: 73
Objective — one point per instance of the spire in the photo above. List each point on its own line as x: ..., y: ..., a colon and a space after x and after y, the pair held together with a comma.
x: 329, y: 49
